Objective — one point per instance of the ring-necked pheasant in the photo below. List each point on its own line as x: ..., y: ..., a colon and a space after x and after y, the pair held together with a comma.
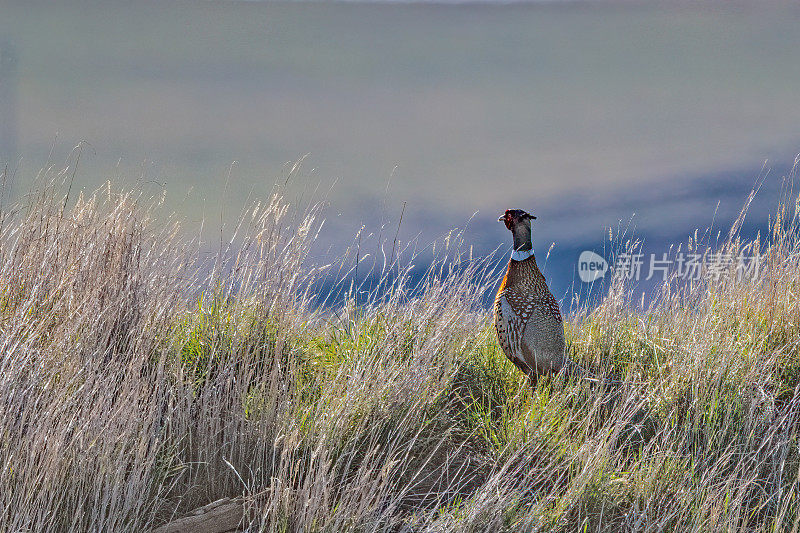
x: 526, y: 314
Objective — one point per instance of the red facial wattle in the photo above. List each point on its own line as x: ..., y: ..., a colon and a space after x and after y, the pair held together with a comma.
x: 508, y: 219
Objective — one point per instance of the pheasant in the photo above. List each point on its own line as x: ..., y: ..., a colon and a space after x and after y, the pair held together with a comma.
x: 526, y: 315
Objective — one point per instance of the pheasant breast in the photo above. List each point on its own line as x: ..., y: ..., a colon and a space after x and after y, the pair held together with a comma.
x: 528, y: 320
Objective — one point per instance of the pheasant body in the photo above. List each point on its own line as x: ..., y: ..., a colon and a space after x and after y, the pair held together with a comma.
x: 526, y: 315
x: 528, y: 320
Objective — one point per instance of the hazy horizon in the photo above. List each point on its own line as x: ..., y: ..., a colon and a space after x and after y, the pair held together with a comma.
x: 586, y: 113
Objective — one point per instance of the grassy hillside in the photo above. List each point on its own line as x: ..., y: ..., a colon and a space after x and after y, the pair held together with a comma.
x: 137, y: 383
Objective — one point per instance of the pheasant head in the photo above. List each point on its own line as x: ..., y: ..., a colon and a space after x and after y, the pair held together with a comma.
x: 519, y: 223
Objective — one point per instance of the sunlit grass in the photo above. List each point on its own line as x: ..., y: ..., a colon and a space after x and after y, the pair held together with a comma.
x: 139, y: 383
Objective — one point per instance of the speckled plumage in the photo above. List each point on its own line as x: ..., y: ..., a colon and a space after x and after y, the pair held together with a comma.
x: 526, y: 315
x: 528, y: 320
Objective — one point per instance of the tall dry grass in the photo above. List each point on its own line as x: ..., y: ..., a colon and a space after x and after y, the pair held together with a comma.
x: 138, y: 382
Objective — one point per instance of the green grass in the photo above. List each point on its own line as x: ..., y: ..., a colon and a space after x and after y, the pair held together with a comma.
x: 139, y: 384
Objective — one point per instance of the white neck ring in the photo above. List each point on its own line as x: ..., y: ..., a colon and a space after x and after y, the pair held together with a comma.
x: 518, y: 255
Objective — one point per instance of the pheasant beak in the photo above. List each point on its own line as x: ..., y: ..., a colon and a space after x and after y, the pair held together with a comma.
x: 502, y: 218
